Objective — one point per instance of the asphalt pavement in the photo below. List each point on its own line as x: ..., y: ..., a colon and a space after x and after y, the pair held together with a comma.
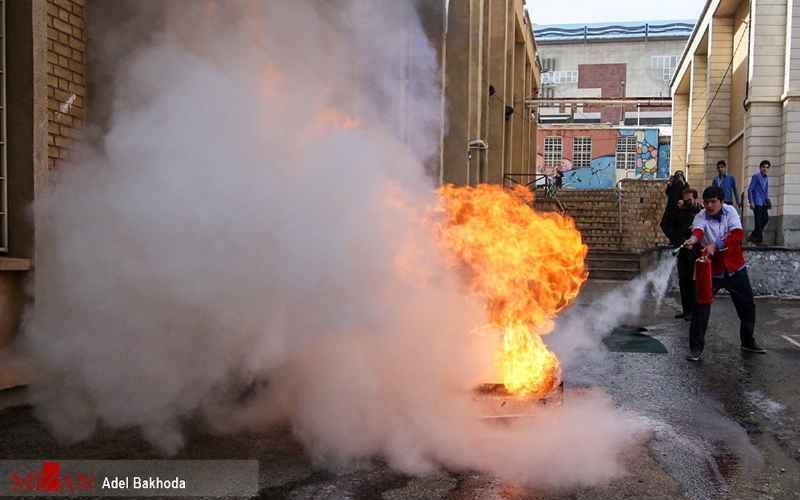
x: 728, y: 427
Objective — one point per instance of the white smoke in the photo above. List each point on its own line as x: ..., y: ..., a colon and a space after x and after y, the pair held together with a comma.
x: 227, y: 252
x: 581, y: 330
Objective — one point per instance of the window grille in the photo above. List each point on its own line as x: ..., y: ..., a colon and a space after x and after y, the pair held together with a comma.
x: 553, y: 151
x: 664, y: 66
x: 582, y: 152
x: 626, y: 152
x: 548, y: 64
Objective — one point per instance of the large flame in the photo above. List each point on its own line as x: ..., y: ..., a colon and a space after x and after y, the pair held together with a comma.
x: 528, y: 265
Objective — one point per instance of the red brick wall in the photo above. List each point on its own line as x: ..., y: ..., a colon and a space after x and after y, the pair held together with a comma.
x: 604, y: 142
x: 66, y: 75
x: 611, y: 79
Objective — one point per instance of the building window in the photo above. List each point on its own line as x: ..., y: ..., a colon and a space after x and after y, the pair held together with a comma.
x: 626, y: 152
x: 3, y: 168
x: 548, y: 92
x: 559, y: 77
x: 664, y: 66
x: 552, y: 151
x: 548, y: 64
x: 582, y: 152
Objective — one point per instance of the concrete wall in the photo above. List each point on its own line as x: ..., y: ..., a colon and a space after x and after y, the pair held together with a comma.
x: 772, y: 271
x: 639, y: 81
x: 490, y: 68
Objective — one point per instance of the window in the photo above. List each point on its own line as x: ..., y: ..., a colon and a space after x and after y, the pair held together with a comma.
x: 548, y: 64
x: 548, y: 93
x: 3, y: 169
x: 664, y: 66
x: 582, y: 152
x: 626, y: 152
x: 552, y: 151
x: 559, y: 77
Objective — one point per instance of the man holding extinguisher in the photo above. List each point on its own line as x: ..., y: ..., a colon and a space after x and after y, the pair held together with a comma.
x: 718, y: 231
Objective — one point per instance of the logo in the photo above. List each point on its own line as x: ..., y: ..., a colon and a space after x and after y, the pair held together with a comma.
x: 51, y: 479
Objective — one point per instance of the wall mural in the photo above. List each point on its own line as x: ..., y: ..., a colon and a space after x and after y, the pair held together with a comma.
x: 651, y: 159
x: 646, y: 152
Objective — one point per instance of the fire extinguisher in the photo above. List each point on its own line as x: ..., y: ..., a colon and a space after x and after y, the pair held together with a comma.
x: 702, y: 279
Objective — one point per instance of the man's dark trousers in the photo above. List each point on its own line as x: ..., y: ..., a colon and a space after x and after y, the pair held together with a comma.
x: 738, y: 285
x: 761, y: 215
x: 686, y: 260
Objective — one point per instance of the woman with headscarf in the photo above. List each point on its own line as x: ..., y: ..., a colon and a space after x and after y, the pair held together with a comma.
x: 675, y: 187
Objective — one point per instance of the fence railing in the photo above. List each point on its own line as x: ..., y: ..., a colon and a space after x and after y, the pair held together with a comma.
x: 547, y: 183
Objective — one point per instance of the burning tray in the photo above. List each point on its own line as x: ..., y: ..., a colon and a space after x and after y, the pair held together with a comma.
x: 496, y: 402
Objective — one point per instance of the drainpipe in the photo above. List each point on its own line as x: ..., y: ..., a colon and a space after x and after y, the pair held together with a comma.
x: 480, y: 145
x: 749, y: 56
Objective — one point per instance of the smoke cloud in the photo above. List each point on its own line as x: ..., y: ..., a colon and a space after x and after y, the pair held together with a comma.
x: 247, y: 243
x: 578, y: 334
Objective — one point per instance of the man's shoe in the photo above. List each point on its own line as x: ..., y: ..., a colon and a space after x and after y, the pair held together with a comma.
x: 688, y: 317
x: 694, y: 356
x: 754, y: 348
x: 680, y: 316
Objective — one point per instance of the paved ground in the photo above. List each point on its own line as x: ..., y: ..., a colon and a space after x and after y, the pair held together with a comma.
x: 726, y: 428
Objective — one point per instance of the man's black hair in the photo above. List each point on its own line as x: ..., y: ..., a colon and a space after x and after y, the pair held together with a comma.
x: 764, y: 162
x: 712, y: 192
x: 722, y: 162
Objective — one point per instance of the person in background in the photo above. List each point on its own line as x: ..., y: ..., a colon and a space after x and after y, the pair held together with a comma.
x: 728, y: 184
x: 718, y: 230
x: 758, y: 195
x: 688, y: 207
x: 675, y: 187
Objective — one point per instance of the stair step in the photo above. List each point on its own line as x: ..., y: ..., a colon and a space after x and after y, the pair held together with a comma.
x: 615, y: 275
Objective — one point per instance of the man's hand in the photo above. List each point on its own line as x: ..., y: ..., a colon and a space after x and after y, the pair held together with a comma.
x: 688, y: 243
x: 711, y: 249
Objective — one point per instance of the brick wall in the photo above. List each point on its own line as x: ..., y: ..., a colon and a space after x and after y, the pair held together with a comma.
x: 597, y: 214
x: 66, y: 75
x: 643, y: 204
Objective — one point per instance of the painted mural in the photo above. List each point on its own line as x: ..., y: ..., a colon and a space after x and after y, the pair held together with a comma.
x: 651, y: 159
x: 646, y: 152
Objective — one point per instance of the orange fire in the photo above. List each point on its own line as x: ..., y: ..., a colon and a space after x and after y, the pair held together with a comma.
x: 528, y: 265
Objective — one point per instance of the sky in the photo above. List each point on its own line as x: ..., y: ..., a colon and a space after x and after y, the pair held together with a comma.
x: 590, y: 11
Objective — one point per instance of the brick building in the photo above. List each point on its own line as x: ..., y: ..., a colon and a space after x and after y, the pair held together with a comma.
x: 45, y: 92
x: 736, y: 97
x: 604, y: 110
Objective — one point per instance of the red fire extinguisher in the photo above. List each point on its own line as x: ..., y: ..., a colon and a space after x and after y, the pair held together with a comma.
x: 702, y: 279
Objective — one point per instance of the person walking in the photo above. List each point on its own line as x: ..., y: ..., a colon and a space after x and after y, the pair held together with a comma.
x: 688, y: 207
x: 758, y: 195
x: 727, y: 182
x: 675, y: 187
x: 718, y: 230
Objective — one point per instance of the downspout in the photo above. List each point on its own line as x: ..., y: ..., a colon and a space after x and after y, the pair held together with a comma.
x: 745, y: 104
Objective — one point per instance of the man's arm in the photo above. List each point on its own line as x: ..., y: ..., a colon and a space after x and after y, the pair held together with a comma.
x: 735, y: 235
x: 698, y: 229
x: 751, y: 189
x: 736, y: 197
